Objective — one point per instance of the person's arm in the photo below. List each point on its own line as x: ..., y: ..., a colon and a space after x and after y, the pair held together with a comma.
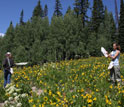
x: 13, y: 64
x: 109, y: 54
x: 113, y: 57
x: 4, y: 63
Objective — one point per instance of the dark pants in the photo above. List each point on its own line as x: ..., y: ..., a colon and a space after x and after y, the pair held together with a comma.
x: 7, y: 77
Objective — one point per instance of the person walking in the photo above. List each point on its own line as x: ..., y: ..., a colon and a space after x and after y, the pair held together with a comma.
x: 8, y: 63
x: 115, y: 70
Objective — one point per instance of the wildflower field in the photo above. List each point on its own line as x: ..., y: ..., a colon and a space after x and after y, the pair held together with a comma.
x: 73, y: 83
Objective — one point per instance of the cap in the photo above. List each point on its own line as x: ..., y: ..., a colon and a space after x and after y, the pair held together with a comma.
x: 8, y: 53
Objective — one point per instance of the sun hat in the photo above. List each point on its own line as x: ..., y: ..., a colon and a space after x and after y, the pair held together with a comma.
x: 8, y: 53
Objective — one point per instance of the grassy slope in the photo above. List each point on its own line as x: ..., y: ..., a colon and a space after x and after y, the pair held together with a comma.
x: 74, y: 83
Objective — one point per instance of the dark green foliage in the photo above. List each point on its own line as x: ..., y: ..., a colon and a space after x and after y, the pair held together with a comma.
x: 69, y: 9
x: 58, y: 8
x: 121, y: 27
x: 9, y: 38
x: 38, y: 11
x: 81, y: 7
x: 97, y: 14
x: 105, y: 35
x: 21, y: 18
x: 110, y: 27
x: 45, y: 11
x: 92, y: 45
x: 77, y: 7
x: 3, y: 97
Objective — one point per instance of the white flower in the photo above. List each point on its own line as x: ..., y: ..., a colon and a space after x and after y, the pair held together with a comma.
x: 15, y: 94
x: 11, y: 106
x: 8, y: 85
x: 10, y: 88
x: 10, y: 98
x: 17, y: 90
x: 23, y: 95
x: 11, y: 91
x: 6, y: 102
x: 19, y: 105
x: 17, y: 98
x: 7, y: 90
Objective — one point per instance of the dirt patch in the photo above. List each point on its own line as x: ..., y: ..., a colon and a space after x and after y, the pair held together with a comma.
x: 38, y: 91
x: 1, y: 104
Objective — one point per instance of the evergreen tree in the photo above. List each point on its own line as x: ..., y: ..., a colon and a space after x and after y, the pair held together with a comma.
x: 77, y: 7
x: 114, y: 37
x: 68, y: 10
x: 121, y: 27
x: 2, y: 51
x: 101, y: 11
x: 21, y: 17
x: 58, y: 8
x: 97, y: 14
x: 38, y: 11
x: 81, y: 7
x: 84, y: 7
x: 45, y: 11
x: 9, y: 38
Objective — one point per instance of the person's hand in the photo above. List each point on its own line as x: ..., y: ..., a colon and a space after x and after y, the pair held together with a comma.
x: 109, y: 56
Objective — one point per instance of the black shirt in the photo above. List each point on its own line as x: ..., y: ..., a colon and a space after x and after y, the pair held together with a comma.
x: 6, y: 64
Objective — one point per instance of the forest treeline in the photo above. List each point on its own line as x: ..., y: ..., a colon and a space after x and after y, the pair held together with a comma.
x: 66, y: 36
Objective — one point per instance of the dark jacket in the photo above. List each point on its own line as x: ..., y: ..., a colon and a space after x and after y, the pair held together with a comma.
x: 6, y: 64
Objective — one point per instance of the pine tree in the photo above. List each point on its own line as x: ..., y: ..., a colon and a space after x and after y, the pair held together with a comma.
x: 121, y: 27
x: 114, y: 38
x: 45, y: 11
x: 21, y: 17
x: 38, y: 11
x: 77, y: 7
x: 2, y: 50
x: 58, y: 8
x: 68, y: 10
x: 9, y: 38
x: 97, y: 14
x: 101, y: 11
x: 84, y: 7
x: 81, y: 7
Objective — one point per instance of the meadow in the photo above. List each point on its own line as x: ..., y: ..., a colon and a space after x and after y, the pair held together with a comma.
x: 73, y: 83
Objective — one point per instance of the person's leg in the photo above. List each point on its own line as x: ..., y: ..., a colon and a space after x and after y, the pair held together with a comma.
x: 9, y: 78
x: 117, y: 73
x: 112, y: 75
x: 5, y: 78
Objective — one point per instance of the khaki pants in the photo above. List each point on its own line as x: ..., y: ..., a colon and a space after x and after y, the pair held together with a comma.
x: 115, y: 74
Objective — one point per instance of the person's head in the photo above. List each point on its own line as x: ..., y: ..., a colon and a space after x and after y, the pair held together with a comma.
x: 116, y: 46
x: 8, y: 54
